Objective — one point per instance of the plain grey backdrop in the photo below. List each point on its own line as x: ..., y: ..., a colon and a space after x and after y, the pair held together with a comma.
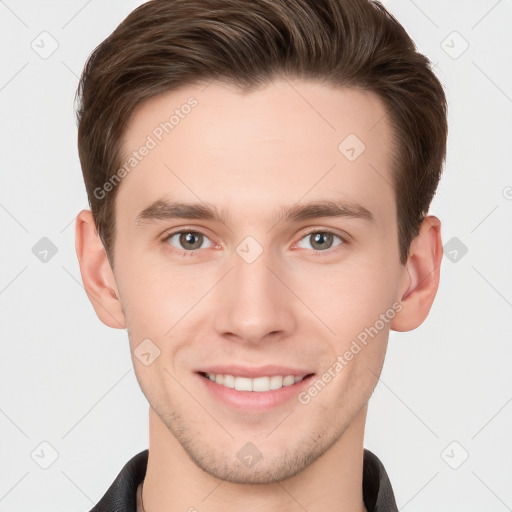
x: 71, y: 410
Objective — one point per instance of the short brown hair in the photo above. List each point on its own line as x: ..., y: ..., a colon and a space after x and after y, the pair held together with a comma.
x: 167, y: 44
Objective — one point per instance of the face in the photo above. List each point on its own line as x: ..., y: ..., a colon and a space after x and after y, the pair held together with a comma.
x: 257, y: 238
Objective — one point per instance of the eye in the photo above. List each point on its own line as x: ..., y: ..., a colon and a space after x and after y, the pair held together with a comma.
x: 320, y: 240
x: 187, y: 239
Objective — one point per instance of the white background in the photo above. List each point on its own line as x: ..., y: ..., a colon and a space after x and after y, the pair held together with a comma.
x: 67, y: 380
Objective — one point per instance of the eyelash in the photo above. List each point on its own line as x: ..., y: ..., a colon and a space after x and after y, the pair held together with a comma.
x: 168, y: 236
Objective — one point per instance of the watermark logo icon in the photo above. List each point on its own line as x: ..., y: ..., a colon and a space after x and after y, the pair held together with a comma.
x: 455, y: 249
x: 454, y: 45
x: 249, y: 249
x: 455, y: 455
x: 44, y: 455
x: 45, y: 45
x: 44, y: 250
x: 249, y: 455
x: 146, y: 352
x: 351, y: 147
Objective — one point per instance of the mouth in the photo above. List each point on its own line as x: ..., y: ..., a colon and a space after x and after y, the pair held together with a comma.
x: 253, y: 391
x: 261, y: 384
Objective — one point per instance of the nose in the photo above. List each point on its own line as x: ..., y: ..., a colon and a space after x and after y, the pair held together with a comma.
x: 253, y: 304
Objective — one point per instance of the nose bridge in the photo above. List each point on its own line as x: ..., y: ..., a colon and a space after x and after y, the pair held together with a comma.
x: 253, y: 303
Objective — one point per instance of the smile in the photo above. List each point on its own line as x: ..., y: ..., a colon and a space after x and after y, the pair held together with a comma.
x: 260, y: 384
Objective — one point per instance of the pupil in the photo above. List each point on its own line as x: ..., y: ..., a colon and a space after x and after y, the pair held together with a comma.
x: 322, y: 240
x: 188, y: 238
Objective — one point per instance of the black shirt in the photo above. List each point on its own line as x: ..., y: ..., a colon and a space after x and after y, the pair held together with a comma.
x: 121, y: 496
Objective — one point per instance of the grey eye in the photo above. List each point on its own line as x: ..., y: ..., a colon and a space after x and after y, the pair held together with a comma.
x: 320, y: 240
x: 188, y: 240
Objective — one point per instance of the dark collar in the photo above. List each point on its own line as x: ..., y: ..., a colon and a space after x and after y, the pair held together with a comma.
x: 121, y: 496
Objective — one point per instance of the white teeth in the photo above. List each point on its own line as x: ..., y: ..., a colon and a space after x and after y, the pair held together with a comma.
x: 242, y: 383
x: 228, y: 381
x: 261, y: 384
x: 289, y: 380
x: 256, y: 384
x: 276, y: 382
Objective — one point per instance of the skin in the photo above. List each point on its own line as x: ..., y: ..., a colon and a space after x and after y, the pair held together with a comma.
x: 252, y: 154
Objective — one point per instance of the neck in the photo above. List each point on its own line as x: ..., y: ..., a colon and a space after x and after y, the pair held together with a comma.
x: 175, y: 483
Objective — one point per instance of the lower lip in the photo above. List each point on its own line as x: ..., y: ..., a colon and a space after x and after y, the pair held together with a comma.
x: 258, y: 401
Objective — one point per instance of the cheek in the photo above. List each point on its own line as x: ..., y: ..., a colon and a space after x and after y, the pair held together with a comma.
x: 159, y: 301
x: 348, y: 297
x: 357, y: 305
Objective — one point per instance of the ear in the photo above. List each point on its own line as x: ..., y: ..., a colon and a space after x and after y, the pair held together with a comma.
x: 97, y: 276
x: 421, y: 276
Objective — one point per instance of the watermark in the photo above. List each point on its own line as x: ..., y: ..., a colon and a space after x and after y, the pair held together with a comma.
x: 249, y: 455
x: 454, y: 45
x: 152, y: 140
x: 45, y: 45
x: 249, y: 249
x: 455, y: 455
x: 44, y: 250
x: 44, y: 455
x: 351, y: 147
x: 455, y: 249
x: 356, y: 347
x: 146, y: 352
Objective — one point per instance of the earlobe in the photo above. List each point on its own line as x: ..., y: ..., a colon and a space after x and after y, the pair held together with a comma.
x: 421, y: 278
x: 97, y: 276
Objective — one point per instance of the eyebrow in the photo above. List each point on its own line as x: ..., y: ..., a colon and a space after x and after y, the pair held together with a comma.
x: 162, y: 210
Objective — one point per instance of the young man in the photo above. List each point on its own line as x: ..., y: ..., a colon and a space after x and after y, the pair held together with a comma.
x: 259, y: 175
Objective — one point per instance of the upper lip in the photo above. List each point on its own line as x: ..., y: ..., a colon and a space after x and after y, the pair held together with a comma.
x: 260, y: 371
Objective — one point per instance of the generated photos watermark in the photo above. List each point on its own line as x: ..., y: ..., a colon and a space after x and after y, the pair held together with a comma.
x: 156, y: 136
x: 356, y: 347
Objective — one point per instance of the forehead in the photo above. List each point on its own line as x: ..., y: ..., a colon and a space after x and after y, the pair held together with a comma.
x: 273, y: 146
